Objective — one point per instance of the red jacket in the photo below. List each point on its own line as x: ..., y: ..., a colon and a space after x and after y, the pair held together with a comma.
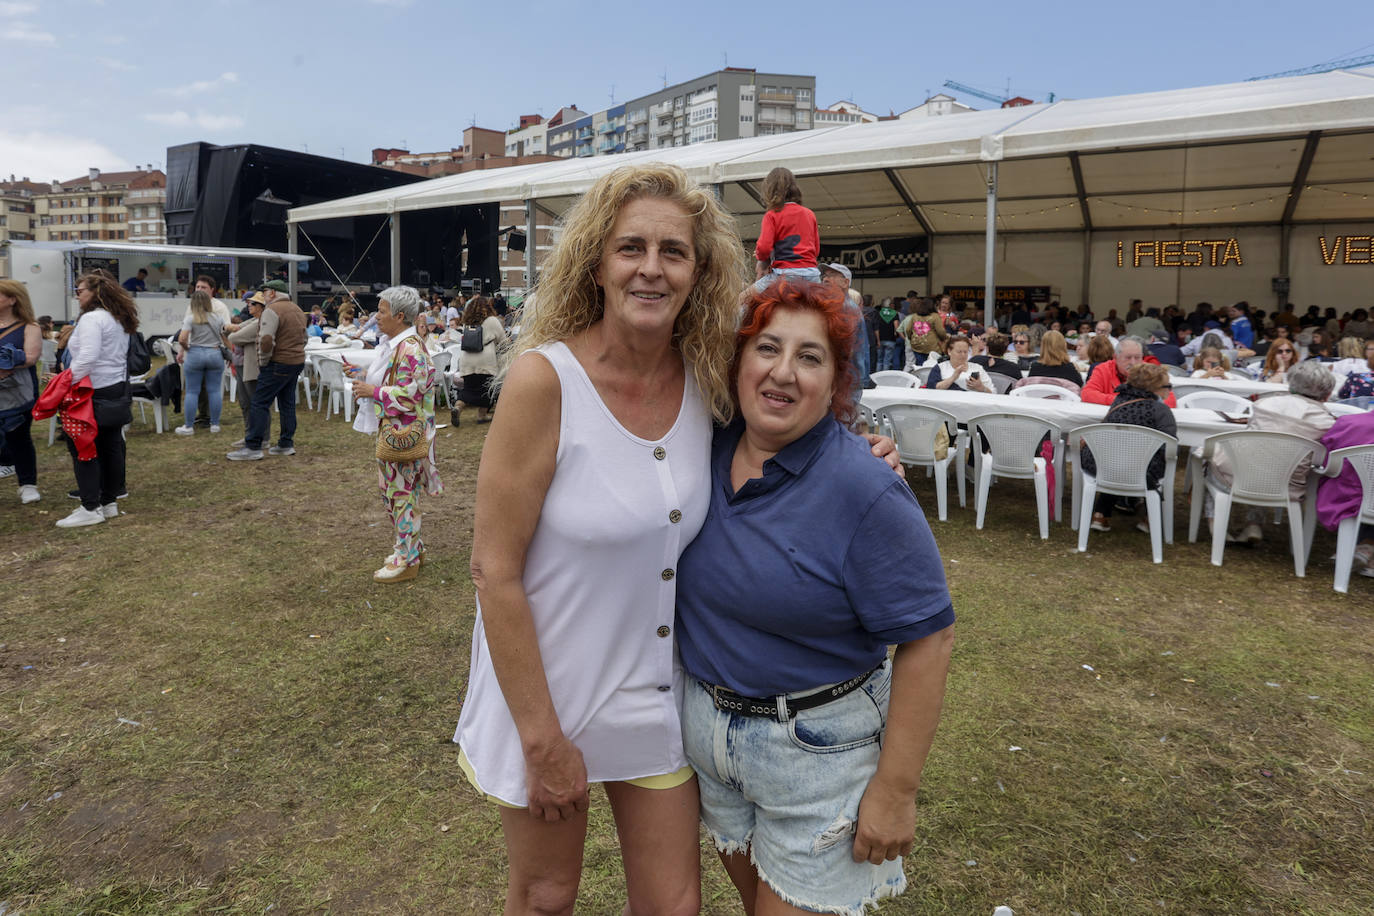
x: 73, y: 401
x: 1101, y: 387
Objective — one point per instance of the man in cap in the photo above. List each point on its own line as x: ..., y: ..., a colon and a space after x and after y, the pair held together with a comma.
x: 837, y: 276
x: 281, y: 356
x: 244, y: 335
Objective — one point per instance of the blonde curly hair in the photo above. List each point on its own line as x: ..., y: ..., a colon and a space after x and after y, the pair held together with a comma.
x: 570, y: 301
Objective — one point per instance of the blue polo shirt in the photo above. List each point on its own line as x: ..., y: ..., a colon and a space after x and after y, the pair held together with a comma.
x: 807, y: 574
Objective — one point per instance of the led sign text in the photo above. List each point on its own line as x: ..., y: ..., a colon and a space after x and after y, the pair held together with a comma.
x: 1357, y: 249
x: 1181, y: 253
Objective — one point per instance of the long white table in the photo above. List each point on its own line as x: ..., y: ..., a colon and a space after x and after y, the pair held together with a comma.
x: 1243, y: 387
x: 1194, y: 425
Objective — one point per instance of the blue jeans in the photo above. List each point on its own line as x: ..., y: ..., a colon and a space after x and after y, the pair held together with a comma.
x: 204, y: 368
x: 781, y: 273
x: 276, y: 382
x: 890, y: 354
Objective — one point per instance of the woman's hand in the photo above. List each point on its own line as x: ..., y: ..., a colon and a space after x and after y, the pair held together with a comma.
x: 886, y: 449
x: 556, y: 781
x: 362, y: 389
x: 975, y: 383
x: 887, y: 823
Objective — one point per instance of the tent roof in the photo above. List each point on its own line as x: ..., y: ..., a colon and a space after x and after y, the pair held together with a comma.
x: 1281, y: 150
x: 177, y: 251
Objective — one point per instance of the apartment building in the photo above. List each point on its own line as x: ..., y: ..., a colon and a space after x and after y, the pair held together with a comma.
x: 567, y: 131
x: 97, y: 208
x: 843, y: 112
x: 725, y: 105
x: 479, y: 143
x: 145, y: 200
x: 17, y: 217
x: 936, y: 106
x: 529, y: 138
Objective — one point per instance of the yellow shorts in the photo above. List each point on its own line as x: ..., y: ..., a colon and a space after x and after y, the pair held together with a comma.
x: 664, y: 781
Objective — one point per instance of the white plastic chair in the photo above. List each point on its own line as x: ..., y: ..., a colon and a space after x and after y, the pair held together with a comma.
x: 1231, y: 404
x: 1339, y: 409
x: 1051, y: 392
x: 867, y: 418
x: 1014, y: 444
x: 356, y: 344
x: 922, y: 373
x: 1261, y: 464
x: 1176, y: 371
x: 159, y: 419
x: 1001, y: 384
x: 338, y: 388
x: 895, y: 378
x: 1361, y: 458
x: 48, y: 356
x: 914, y: 428
x: 164, y: 347
x: 1122, y: 453
x: 441, y: 361
x: 304, y: 381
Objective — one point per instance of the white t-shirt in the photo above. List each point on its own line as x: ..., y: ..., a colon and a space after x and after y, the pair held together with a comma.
x: 100, y: 349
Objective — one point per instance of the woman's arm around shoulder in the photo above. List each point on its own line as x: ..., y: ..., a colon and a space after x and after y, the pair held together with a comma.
x: 517, y: 468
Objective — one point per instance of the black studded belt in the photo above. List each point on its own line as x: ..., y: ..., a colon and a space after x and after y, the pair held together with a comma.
x: 768, y: 707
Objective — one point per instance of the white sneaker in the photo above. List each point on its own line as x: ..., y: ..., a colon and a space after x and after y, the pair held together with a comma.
x: 185, y: 430
x: 110, y: 510
x: 28, y: 494
x: 239, y: 443
x: 6, y: 470
x: 214, y: 428
x: 81, y: 518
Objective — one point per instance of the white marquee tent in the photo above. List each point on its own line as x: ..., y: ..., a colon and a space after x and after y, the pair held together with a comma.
x: 1278, y: 153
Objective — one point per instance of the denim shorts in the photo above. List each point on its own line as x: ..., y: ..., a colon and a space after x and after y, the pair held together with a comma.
x: 788, y: 793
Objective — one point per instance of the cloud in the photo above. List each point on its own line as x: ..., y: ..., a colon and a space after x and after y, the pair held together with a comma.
x: 200, y: 119
x: 44, y: 156
x: 18, y: 9
x: 25, y: 32
x: 190, y: 89
x: 116, y: 64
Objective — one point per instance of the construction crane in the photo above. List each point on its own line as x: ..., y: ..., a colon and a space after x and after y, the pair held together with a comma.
x: 1316, y: 68
x: 969, y: 90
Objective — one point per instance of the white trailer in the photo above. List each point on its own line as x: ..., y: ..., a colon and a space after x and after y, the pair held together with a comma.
x: 50, y: 271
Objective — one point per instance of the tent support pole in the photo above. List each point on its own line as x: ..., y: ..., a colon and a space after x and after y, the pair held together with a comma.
x: 292, y: 247
x: 990, y: 253
x: 1087, y: 265
x: 395, y: 249
x: 529, y: 246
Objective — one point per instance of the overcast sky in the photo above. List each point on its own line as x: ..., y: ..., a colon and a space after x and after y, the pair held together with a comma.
x: 113, y: 83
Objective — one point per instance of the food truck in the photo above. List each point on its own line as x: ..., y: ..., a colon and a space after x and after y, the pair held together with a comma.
x: 50, y: 271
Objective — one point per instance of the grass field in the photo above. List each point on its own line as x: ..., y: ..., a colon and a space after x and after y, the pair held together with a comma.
x: 206, y: 706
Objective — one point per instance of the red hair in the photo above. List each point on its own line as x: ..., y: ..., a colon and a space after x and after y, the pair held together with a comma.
x: 841, y: 329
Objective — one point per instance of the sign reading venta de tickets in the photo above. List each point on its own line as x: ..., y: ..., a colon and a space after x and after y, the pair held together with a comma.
x: 901, y: 257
